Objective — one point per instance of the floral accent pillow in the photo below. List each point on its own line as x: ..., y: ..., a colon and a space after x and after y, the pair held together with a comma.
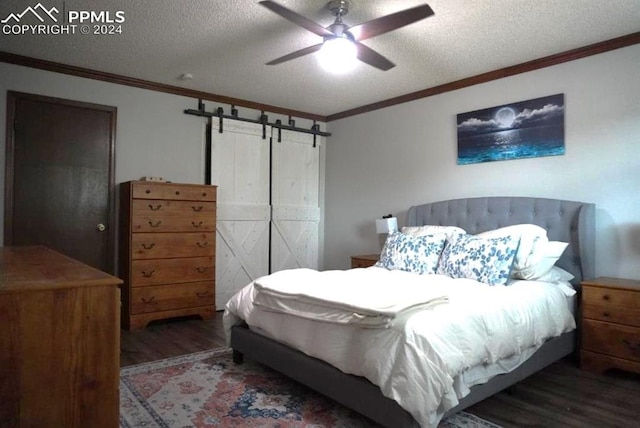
x: 418, y: 254
x: 487, y: 260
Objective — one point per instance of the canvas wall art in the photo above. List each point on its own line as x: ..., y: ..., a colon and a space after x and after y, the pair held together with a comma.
x: 524, y: 129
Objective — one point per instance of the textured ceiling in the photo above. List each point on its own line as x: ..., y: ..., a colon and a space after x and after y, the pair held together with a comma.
x: 225, y: 44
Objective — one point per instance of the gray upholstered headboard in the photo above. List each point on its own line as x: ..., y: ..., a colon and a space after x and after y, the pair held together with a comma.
x: 567, y: 221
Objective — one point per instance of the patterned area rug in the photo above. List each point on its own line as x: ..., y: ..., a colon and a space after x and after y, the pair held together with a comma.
x: 207, y: 389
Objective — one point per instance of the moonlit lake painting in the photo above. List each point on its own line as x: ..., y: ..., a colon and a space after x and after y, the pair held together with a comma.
x: 525, y: 129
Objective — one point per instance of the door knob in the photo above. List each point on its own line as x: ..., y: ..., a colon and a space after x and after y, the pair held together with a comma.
x: 101, y: 227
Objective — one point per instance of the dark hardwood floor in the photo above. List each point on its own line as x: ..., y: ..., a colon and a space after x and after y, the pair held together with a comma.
x: 561, y: 395
x: 164, y: 339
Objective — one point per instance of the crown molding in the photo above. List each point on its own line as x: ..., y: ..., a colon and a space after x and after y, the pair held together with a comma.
x: 571, y: 55
x: 152, y: 86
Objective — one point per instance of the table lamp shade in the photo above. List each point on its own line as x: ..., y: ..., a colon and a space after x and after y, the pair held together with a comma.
x: 386, y: 225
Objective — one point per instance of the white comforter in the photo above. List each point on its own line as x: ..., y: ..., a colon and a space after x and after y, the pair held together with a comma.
x: 368, y: 298
x: 419, y: 358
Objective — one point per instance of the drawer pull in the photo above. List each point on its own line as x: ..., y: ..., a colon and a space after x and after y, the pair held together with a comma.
x: 202, y: 294
x: 149, y: 300
x: 635, y: 347
x: 156, y: 224
x: 605, y: 314
x: 177, y: 192
x: 155, y: 208
x: 148, y: 273
x: 606, y: 297
x: 204, y: 194
x: 202, y: 245
x: 201, y: 269
x: 147, y: 191
x: 148, y: 246
x: 197, y: 209
x: 196, y: 225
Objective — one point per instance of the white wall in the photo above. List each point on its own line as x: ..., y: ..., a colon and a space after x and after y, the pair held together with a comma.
x: 387, y: 160
x: 154, y: 137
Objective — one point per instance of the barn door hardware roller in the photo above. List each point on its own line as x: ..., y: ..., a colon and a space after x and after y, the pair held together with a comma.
x: 262, y: 120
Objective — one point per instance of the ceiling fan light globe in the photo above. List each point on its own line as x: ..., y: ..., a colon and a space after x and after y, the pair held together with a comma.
x: 338, y: 55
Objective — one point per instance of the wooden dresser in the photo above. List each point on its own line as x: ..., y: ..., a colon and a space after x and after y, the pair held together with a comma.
x: 167, y: 251
x: 364, y: 261
x: 59, y: 341
x: 610, y: 324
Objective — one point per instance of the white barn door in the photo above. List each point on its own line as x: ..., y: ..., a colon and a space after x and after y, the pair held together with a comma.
x: 295, y: 210
x: 240, y: 169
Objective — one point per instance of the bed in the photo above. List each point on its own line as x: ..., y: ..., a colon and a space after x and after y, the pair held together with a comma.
x: 566, y: 221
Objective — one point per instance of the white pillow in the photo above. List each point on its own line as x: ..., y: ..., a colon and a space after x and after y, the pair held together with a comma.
x: 450, y: 231
x: 556, y: 274
x: 532, y: 238
x: 542, y: 261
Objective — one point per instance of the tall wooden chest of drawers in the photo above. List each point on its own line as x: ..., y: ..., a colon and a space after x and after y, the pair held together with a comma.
x: 610, y: 324
x: 167, y: 251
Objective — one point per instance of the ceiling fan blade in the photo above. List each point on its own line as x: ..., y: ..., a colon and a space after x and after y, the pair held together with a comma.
x: 373, y: 58
x: 296, y: 18
x: 296, y: 54
x: 388, y: 23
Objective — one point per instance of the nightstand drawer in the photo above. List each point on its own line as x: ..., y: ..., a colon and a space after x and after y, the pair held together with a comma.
x: 609, y: 297
x: 609, y: 313
x: 616, y: 340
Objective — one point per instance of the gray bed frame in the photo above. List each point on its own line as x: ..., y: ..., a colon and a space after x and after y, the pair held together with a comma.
x: 567, y: 221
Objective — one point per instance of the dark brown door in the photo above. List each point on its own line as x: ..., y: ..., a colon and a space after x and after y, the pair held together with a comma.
x: 59, y: 177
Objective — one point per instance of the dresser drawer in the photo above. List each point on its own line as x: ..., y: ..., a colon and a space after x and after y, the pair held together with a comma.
x: 610, y: 313
x: 613, y: 339
x: 167, y: 271
x: 180, y: 192
x: 172, y: 296
x: 609, y: 297
x: 172, y: 245
x: 173, y: 216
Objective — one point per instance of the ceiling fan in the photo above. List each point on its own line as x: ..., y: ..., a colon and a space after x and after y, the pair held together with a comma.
x: 349, y: 38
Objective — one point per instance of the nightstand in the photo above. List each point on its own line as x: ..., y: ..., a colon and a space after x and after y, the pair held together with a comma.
x: 364, y: 261
x: 610, y: 324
